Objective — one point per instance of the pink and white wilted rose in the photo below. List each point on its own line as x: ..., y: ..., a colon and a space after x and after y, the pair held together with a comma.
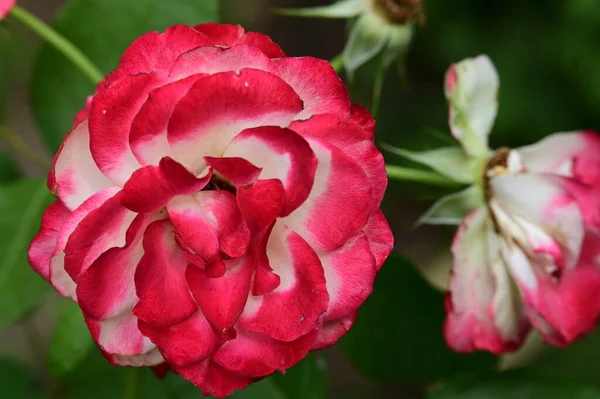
x: 526, y: 255
x: 217, y: 208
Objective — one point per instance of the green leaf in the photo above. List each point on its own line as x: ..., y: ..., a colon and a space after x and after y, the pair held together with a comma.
x: 452, y: 208
x: 398, y: 337
x: 451, y: 162
x: 21, y: 207
x: 517, y: 384
x: 71, y: 341
x: 341, y: 9
x: 307, y: 379
x: 9, y: 171
x: 580, y: 358
x: 16, y: 382
x: 59, y: 90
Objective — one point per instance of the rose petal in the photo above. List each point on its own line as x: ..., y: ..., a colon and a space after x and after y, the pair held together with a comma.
x: 213, y: 379
x: 148, y: 135
x: 164, y: 297
x: 340, y: 197
x: 350, y: 273
x: 281, y: 154
x: 106, y: 289
x: 60, y: 279
x: 220, y: 106
x: 75, y: 175
x: 380, y: 237
x: 186, y: 343
x: 222, y: 299
x: 230, y: 35
x: 156, y: 52
x: 103, y: 228
x: 294, y: 308
x: 483, y: 309
x: 121, y: 339
x: 237, y: 170
x: 332, y: 331
x: 164, y: 181
x: 44, y: 243
x: 211, y: 60
x: 353, y: 141
x: 257, y: 355
x: 317, y: 84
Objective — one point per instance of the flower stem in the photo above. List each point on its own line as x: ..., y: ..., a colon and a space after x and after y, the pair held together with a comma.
x: 134, y: 377
x: 337, y: 63
x: 417, y: 175
x: 23, y: 148
x: 67, y: 48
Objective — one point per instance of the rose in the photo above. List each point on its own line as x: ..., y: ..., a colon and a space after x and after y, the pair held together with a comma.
x: 526, y: 255
x: 217, y: 208
x: 5, y: 7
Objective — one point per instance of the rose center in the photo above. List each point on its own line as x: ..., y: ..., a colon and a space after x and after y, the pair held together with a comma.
x: 401, y: 11
x: 218, y: 182
x: 496, y: 166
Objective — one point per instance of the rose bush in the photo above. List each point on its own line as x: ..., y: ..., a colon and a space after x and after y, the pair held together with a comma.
x: 217, y: 208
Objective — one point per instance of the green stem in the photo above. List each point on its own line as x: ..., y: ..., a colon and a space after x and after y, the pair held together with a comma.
x: 338, y: 63
x: 23, y: 148
x: 417, y: 175
x: 134, y: 377
x: 59, y: 42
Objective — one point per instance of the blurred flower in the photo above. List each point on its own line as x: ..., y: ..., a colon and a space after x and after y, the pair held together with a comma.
x: 383, y: 27
x: 5, y: 7
x: 526, y: 252
x: 218, y: 208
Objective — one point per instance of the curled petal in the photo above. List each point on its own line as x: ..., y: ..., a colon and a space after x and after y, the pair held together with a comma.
x: 164, y: 297
x: 164, y: 181
x: 222, y: 299
x: 186, y: 343
x: 350, y: 273
x: 211, y: 60
x: 317, y: 84
x: 156, y: 52
x: 101, y: 229
x: 261, y: 203
x: 111, y: 116
x: 293, y: 309
x: 106, y: 289
x: 380, y: 237
x: 341, y: 197
x: 122, y: 341
x: 332, y: 331
x: 59, y: 277
x: 353, y: 140
x: 231, y: 35
x: 44, y: 243
x: 254, y: 354
x: 281, y: 154
x: 75, y: 175
x: 148, y: 135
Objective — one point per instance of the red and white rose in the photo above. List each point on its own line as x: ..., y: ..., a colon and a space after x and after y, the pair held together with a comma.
x: 217, y: 208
